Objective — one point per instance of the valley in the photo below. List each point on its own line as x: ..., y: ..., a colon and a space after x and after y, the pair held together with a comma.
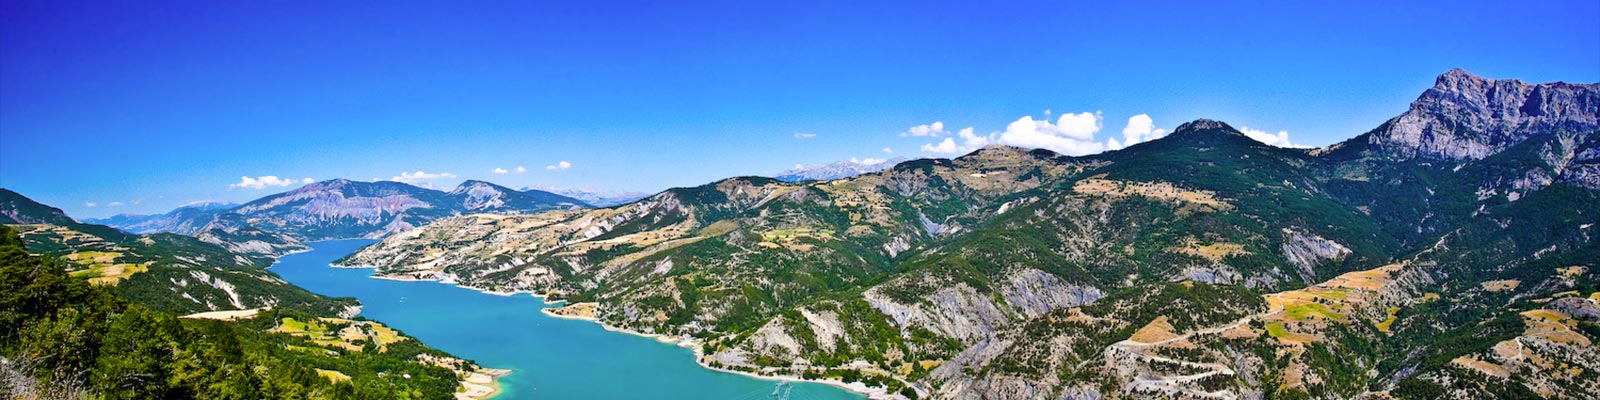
x: 1449, y: 252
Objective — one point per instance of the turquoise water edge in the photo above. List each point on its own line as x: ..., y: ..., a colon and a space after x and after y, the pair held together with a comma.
x: 552, y: 358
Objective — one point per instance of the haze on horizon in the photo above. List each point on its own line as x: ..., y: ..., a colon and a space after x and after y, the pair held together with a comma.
x: 140, y: 107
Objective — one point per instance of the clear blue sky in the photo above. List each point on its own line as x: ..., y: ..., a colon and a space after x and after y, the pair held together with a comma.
x: 152, y: 104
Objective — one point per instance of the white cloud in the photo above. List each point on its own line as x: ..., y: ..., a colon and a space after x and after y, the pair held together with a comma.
x: 1111, y: 144
x: 1281, y: 139
x: 948, y: 146
x: 935, y: 129
x: 413, y: 177
x: 804, y: 135
x: 969, y: 142
x: 520, y: 169
x: 91, y: 204
x: 262, y: 182
x: 558, y: 166
x: 500, y: 171
x: 1140, y: 129
x: 1071, y: 134
x: 114, y: 204
x: 868, y: 161
x: 307, y: 180
x: 887, y: 150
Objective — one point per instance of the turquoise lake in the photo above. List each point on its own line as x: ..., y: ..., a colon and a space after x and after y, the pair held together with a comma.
x: 553, y: 358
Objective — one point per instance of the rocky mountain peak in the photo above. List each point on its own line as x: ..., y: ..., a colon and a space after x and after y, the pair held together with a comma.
x: 1467, y: 117
x: 1204, y: 125
x: 331, y: 184
x: 471, y: 185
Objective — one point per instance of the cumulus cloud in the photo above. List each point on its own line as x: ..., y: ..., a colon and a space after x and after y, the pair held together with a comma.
x: 1071, y: 134
x: 263, y: 182
x: 500, y: 171
x: 558, y: 166
x: 1140, y: 129
x: 306, y: 180
x: 114, y: 204
x: 1280, y: 139
x: 887, y: 150
x: 868, y: 161
x: 91, y: 204
x: 804, y: 135
x: 520, y: 169
x: 414, y: 177
x: 969, y: 142
x: 935, y: 129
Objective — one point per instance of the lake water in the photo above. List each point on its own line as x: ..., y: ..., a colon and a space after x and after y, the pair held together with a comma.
x: 553, y: 358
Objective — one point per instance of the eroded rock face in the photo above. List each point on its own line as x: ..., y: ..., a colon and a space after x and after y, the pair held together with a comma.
x: 1305, y: 251
x: 1466, y: 117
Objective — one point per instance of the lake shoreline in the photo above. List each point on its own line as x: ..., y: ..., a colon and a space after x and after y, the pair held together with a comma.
x: 694, y: 345
x: 688, y: 343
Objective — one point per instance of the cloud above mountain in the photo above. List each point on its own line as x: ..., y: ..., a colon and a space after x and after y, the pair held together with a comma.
x: 969, y: 142
x: 1141, y: 128
x: 502, y: 171
x: 560, y: 166
x: 265, y: 181
x: 419, y: 176
x: 1280, y: 139
x: 1069, y: 134
x: 935, y: 129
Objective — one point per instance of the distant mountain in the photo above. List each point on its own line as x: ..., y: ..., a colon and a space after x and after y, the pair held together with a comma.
x: 17, y: 209
x: 480, y: 196
x: 188, y: 219
x: 597, y: 198
x: 836, y: 170
x: 334, y: 209
x: 1451, y: 252
x: 342, y: 209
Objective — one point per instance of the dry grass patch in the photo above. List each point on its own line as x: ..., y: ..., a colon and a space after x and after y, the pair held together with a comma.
x: 1213, y: 252
x: 1278, y: 331
x: 1096, y: 186
x: 333, y: 376
x: 1389, y: 320
x: 1372, y: 279
x: 1156, y: 331
x: 1572, y: 271
x: 1500, y: 285
x: 575, y: 310
x: 1552, y: 325
x: 1485, y: 367
x: 229, y: 315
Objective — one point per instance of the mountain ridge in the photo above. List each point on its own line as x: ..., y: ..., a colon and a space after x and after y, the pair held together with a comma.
x: 1016, y: 273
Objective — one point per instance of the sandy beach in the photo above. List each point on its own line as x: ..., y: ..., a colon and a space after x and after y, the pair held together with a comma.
x: 481, y: 384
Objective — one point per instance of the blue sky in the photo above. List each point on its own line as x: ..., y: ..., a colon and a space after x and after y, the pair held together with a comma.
x: 142, y: 106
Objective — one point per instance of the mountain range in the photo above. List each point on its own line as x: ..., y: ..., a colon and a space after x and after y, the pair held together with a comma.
x: 1449, y: 252
x: 597, y: 198
x: 164, y: 271
x: 336, y: 209
x: 837, y: 169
